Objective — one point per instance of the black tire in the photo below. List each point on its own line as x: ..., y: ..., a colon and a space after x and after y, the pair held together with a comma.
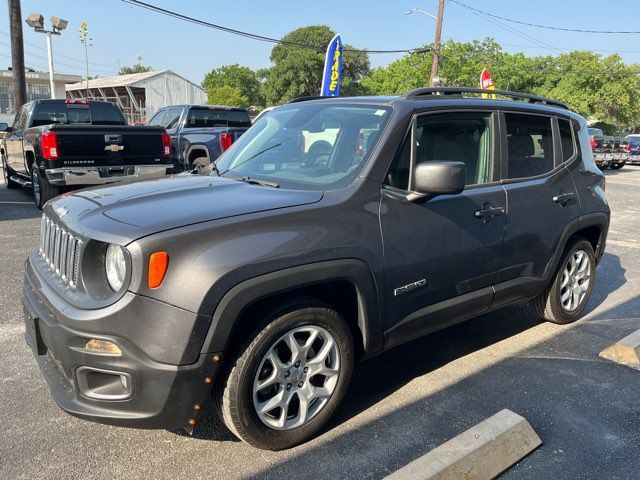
x: 616, y: 166
x: 42, y: 190
x: 7, y: 172
x: 548, y: 304
x: 234, y: 395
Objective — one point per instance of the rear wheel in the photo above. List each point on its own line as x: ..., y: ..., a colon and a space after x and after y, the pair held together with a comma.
x: 42, y: 190
x: 287, y: 382
x: 6, y: 173
x: 567, y: 296
x: 616, y: 166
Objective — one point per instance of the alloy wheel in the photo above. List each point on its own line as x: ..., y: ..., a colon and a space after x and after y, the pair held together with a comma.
x: 574, y: 283
x: 296, y: 377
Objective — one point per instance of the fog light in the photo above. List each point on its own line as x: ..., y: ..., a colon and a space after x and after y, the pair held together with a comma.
x: 102, y: 346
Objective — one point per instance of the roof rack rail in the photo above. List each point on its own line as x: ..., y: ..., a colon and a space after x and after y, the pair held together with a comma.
x: 418, y: 92
x: 307, y: 98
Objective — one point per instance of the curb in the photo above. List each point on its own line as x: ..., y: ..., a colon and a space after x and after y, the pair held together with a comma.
x: 625, y: 352
x: 482, y: 452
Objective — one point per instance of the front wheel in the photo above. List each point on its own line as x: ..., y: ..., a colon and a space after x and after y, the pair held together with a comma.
x: 567, y: 296
x: 42, y: 190
x: 616, y: 166
x: 287, y: 382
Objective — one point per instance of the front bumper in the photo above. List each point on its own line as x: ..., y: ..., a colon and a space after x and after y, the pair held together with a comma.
x: 159, y: 395
x: 102, y: 175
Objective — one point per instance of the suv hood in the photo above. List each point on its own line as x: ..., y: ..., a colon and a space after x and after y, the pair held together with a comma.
x: 121, y: 213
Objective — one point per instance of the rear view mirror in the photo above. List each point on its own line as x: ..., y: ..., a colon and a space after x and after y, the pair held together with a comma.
x: 439, y: 178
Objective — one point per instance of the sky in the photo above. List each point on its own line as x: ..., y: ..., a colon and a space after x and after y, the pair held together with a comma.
x: 121, y: 32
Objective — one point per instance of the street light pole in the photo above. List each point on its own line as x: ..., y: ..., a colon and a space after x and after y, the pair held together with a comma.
x: 50, y: 54
x: 36, y: 21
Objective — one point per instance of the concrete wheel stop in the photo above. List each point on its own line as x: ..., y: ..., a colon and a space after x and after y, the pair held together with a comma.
x: 625, y: 351
x: 481, y: 453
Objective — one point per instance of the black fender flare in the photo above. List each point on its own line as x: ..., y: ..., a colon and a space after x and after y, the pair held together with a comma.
x: 237, y: 299
x: 193, y: 147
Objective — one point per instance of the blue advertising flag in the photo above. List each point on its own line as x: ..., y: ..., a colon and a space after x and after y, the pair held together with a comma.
x: 332, y: 69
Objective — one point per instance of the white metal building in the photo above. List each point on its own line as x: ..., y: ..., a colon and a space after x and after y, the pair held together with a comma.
x: 140, y: 95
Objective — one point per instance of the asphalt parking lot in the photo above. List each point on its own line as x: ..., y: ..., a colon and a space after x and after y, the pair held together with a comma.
x: 401, y: 404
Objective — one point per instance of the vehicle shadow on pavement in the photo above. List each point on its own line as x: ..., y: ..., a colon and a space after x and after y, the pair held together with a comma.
x: 16, y: 204
x: 559, y: 384
x: 381, y: 376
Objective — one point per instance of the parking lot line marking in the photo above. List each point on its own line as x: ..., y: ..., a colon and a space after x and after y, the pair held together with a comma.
x: 625, y: 352
x: 481, y: 453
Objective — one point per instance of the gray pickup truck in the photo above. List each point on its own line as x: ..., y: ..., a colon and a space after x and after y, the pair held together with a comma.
x: 56, y: 145
x: 200, y: 133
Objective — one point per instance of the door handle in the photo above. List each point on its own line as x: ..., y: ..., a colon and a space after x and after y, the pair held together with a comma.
x: 563, y: 198
x: 489, y: 212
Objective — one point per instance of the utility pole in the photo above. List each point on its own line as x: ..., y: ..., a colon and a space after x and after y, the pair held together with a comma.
x: 436, y: 44
x: 17, y: 55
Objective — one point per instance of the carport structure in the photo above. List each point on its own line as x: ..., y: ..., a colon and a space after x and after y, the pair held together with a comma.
x: 139, y: 95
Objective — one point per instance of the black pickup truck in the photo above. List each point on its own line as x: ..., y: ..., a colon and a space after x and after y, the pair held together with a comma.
x: 200, y: 133
x: 55, y: 144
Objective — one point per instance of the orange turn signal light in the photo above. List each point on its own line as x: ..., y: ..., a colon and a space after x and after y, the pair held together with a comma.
x: 158, y: 263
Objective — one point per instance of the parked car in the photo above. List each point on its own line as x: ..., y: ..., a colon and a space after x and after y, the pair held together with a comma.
x: 262, y: 284
x: 633, y: 148
x: 608, y: 151
x: 55, y: 144
x: 200, y: 133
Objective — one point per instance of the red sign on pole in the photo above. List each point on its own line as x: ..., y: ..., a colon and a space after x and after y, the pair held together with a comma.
x: 486, y: 83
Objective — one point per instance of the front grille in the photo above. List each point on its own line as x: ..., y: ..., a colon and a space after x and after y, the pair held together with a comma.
x: 60, y: 251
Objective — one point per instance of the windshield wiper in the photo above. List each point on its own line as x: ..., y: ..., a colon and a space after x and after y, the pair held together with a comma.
x: 254, y: 156
x: 255, y: 181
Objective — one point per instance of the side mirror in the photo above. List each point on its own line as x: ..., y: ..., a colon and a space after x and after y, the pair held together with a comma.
x: 4, y: 127
x: 438, y: 178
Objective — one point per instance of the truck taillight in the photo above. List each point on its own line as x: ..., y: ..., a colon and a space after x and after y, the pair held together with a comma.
x: 593, y: 142
x: 166, y: 144
x: 226, y: 140
x: 49, y: 145
x: 627, y: 147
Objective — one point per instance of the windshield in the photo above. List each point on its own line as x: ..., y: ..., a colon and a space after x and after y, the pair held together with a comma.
x: 596, y: 132
x: 307, y: 146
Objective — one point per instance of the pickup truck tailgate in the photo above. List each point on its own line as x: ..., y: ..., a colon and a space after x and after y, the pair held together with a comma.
x: 110, y: 145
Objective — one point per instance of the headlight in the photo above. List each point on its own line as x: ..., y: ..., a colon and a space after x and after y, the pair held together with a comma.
x: 115, y: 266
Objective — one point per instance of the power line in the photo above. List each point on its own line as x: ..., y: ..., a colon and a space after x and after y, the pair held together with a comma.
x: 254, y: 36
x: 570, y: 49
x: 58, y: 62
x: 548, y: 27
x: 38, y: 47
x: 508, y: 28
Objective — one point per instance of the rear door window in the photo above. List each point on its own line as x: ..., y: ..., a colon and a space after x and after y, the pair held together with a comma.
x: 529, y: 145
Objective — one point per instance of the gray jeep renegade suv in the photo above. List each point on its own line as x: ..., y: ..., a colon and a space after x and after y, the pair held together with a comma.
x: 331, y: 230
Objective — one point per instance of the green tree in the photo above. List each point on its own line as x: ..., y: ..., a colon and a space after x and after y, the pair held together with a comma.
x: 236, y: 76
x: 136, y: 68
x: 297, y: 70
x: 599, y: 88
x: 227, y: 95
